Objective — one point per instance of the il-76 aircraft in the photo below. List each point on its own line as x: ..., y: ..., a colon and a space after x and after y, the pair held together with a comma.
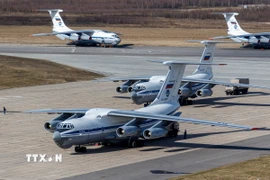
x: 79, y: 37
x: 199, y: 84
x: 237, y: 34
x: 79, y: 127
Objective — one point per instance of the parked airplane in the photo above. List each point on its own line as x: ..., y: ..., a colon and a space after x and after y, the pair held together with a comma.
x: 99, y: 125
x: 199, y: 84
x: 79, y: 37
x: 237, y: 34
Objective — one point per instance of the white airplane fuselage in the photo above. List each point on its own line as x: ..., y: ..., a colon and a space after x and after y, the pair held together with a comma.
x: 147, y: 91
x: 96, y: 126
x: 98, y: 37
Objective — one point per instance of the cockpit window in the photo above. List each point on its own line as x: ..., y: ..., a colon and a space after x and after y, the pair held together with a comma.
x: 114, y: 35
x: 139, y: 88
x: 65, y: 126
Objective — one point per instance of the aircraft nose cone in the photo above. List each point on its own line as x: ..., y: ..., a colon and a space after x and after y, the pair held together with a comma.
x: 57, y: 139
x: 61, y: 142
x: 134, y: 97
x: 56, y: 136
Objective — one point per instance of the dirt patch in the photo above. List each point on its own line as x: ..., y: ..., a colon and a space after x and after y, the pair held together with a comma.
x: 22, y: 72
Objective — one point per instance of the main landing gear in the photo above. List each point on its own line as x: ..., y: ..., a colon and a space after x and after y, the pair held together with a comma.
x: 134, y: 142
x: 184, y: 102
x: 80, y: 149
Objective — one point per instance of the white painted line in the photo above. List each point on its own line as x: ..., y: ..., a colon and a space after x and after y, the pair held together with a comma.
x: 73, y: 50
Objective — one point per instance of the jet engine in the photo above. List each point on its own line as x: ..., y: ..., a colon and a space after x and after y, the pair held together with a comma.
x: 264, y: 40
x: 258, y: 39
x: 126, y: 131
x: 204, y: 92
x: 154, y: 133
x: 184, y: 92
x: 85, y: 37
x: 160, y: 129
x: 51, y: 125
x: 130, y: 88
x: 121, y: 89
x: 74, y: 37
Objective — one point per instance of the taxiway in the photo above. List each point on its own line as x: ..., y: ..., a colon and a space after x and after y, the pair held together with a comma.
x: 206, y: 146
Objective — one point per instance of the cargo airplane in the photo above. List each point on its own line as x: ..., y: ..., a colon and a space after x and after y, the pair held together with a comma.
x: 80, y: 127
x: 199, y: 84
x: 86, y: 37
x: 237, y: 34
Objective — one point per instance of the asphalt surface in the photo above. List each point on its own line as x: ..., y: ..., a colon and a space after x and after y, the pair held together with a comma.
x: 206, y: 157
x: 206, y: 147
x: 131, y: 50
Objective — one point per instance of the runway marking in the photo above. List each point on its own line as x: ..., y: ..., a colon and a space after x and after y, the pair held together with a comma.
x: 73, y: 50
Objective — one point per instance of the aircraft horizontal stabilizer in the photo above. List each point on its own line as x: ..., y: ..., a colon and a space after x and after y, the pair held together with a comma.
x: 59, y: 10
x: 186, y: 63
x: 144, y: 115
x: 210, y: 41
x: 204, y: 81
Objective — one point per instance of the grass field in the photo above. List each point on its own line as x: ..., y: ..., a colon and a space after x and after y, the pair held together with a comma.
x: 130, y: 35
x: 257, y: 169
x: 22, y: 72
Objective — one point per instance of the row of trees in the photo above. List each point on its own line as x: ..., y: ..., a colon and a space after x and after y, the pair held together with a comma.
x: 86, y: 6
x: 140, y: 12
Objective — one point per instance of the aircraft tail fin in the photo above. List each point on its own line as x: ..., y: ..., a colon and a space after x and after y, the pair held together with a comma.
x: 234, y: 28
x: 170, y: 87
x: 207, y: 57
x: 169, y: 92
x: 58, y: 23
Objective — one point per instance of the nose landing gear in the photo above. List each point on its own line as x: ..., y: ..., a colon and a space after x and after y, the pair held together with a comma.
x: 80, y: 149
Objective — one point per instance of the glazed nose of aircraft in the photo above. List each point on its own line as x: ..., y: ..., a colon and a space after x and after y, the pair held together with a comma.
x: 134, y: 97
x: 57, y: 138
x: 118, y: 40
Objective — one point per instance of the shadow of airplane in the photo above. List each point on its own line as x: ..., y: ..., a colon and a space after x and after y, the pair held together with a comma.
x: 166, y: 172
x: 164, y: 143
x: 128, y: 46
x: 122, y: 97
x: 214, y: 101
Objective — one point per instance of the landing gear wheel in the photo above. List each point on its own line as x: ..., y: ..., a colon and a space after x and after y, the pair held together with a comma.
x: 134, y: 142
x: 184, y: 102
x: 80, y: 149
x: 145, y: 105
x: 106, y: 144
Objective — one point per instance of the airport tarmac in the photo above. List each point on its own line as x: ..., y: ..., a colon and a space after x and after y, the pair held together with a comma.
x: 23, y: 134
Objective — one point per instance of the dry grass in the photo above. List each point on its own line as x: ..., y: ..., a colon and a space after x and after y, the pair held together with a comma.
x: 252, y: 169
x: 132, y: 35
x: 22, y: 72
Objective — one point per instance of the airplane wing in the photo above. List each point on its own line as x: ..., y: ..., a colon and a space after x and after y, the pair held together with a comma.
x: 88, y: 32
x: 58, y: 111
x: 224, y: 83
x: 144, y: 115
x: 262, y: 34
x: 124, y: 79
